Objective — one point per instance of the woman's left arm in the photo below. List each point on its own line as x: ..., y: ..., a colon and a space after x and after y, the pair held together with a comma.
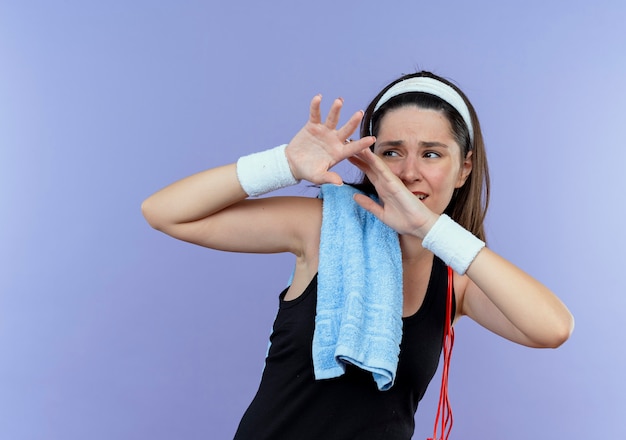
x: 493, y: 292
x: 504, y: 299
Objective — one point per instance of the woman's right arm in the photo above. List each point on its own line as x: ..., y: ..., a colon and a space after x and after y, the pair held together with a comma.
x: 211, y: 208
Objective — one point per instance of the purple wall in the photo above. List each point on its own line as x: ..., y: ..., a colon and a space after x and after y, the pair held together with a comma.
x: 109, y: 330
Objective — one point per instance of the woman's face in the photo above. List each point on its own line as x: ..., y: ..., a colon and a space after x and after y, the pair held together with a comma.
x: 419, y: 148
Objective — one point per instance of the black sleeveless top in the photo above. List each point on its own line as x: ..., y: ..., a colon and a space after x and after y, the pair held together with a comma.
x: 291, y: 405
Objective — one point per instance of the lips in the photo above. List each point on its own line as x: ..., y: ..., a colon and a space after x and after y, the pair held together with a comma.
x: 420, y: 195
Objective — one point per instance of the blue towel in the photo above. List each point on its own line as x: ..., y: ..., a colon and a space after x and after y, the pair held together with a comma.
x: 359, y: 298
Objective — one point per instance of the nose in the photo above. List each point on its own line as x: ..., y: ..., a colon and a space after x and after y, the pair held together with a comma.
x: 409, y: 170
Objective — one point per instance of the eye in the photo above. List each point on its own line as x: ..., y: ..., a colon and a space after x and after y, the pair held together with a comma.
x: 431, y: 155
x: 390, y: 153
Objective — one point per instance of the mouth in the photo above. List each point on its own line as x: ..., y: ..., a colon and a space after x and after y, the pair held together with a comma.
x: 420, y: 195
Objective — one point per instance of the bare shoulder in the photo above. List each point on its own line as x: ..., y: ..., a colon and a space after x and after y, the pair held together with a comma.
x: 264, y: 225
x: 469, y: 297
x: 461, y: 283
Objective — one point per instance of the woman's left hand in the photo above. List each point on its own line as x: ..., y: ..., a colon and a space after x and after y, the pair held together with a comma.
x: 400, y: 209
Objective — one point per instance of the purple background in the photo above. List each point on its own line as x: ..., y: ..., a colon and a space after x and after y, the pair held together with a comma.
x: 110, y: 330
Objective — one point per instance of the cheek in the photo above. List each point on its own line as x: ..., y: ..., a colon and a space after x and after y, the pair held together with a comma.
x: 455, y: 174
x: 444, y: 178
x: 445, y: 182
x: 395, y: 168
x: 394, y: 165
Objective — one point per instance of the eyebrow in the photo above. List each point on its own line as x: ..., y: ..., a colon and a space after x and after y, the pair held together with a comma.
x: 397, y: 143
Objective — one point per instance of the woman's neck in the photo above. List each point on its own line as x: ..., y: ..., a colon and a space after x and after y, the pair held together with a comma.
x: 412, y: 249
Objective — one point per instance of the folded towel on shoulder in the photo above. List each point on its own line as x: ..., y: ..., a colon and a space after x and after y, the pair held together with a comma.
x: 359, y: 299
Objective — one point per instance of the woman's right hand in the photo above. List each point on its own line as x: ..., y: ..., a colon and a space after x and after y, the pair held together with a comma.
x: 210, y: 208
x: 319, y: 146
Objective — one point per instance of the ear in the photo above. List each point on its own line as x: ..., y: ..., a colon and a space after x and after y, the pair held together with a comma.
x: 465, y: 171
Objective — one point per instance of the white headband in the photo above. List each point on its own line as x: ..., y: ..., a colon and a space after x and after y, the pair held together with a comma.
x: 432, y: 86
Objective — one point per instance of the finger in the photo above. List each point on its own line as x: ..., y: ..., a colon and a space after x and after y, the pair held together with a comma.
x: 349, y: 127
x: 355, y: 147
x: 372, y: 160
x: 360, y: 164
x: 369, y: 205
x: 373, y: 175
x: 314, y: 110
x: 331, y: 177
x: 373, y: 166
x: 333, y: 114
x: 362, y: 160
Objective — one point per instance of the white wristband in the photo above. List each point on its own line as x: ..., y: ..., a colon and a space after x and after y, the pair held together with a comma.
x: 260, y: 173
x: 454, y: 244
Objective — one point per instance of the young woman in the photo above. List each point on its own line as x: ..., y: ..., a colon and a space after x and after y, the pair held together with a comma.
x: 378, y: 251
